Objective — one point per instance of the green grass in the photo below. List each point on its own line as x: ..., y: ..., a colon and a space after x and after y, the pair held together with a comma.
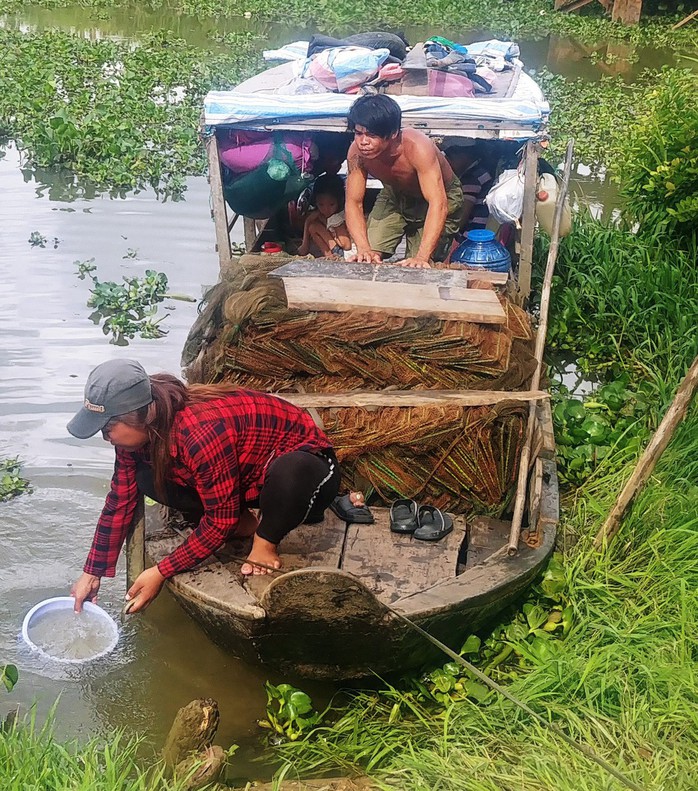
x: 625, y: 681
x: 624, y: 303
x: 32, y: 760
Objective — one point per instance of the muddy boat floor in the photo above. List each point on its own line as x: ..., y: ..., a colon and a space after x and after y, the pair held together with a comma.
x: 390, y: 565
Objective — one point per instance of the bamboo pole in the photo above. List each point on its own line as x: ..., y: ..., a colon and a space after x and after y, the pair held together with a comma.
x: 520, y: 501
x: 674, y: 415
x: 685, y: 20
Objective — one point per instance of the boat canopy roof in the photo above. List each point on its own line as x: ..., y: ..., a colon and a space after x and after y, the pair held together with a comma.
x: 521, y: 113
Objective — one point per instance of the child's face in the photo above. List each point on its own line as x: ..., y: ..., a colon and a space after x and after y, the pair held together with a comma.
x: 327, y: 205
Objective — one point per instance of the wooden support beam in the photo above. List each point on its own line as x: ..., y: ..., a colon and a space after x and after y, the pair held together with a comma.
x: 528, y: 220
x: 685, y: 20
x: 409, y: 398
x: 657, y: 445
x: 135, y: 544
x: 627, y: 11
x: 218, y: 207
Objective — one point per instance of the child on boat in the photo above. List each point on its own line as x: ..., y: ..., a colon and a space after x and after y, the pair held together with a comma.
x: 325, y: 227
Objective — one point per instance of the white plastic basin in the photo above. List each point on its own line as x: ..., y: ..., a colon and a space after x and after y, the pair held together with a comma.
x: 96, y: 632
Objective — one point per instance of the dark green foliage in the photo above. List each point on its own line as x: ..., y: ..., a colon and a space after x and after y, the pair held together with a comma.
x: 592, y: 430
x: 290, y: 711
x: 117, y: 114
x: 657, y: 160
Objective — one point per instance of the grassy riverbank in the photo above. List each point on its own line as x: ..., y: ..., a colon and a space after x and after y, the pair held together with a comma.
x: 513, y: 18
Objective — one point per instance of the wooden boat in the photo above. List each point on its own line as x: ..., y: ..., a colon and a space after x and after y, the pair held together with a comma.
x: 330, y: 614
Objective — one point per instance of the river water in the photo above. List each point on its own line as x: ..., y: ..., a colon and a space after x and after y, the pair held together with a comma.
x: 47, y: 347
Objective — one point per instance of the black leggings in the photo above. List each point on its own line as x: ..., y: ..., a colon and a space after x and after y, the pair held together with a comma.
x: 297, y: 489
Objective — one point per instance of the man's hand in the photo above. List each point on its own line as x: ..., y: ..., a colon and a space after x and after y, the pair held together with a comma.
x: 415, y: 263
x: 144, y: 590
x: 85, y: 589
x: 367, y: 257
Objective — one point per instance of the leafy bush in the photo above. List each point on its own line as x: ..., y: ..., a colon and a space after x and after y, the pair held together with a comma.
x: 12, y: 484
x: 128, y: 309
x: 621, y: 302
x: 657, y: 159
x: 589, y: 431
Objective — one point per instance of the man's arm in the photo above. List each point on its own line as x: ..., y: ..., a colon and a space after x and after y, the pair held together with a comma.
x: 424, y: 158
x: 354, y: 208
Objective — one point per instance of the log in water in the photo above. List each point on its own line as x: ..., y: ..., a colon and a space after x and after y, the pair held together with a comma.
x: 67, y: 635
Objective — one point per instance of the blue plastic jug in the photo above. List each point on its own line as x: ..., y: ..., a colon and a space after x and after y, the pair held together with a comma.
x: 481, y: 250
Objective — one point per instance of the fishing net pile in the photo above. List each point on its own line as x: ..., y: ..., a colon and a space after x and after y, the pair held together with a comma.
x: 458, y: 458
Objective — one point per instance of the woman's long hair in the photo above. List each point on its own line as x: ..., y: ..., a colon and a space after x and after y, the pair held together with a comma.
x: 170, y: 396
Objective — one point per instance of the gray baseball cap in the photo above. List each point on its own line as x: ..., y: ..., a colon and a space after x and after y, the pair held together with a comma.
x: 113, y: 388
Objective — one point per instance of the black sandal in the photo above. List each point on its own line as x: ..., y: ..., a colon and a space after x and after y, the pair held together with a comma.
x: 433, y: 524
x: 353, y: 514
x: 404, y: 516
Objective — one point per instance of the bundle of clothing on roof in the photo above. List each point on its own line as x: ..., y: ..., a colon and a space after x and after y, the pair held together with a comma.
x: 379, y: 61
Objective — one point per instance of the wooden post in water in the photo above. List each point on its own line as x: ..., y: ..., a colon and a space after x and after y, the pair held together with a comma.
x: 674, y: 415
x: 520, y: 501
x: 135, y: 544
x: 627, y: 11
x: 218, y: 209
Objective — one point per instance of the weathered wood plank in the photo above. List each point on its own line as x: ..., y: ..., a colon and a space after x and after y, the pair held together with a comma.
x: 386, y: 273
x: 409, y: 398
x: 393, y: 565
x: 528, y: 220
x: 314, y: 545
x: 395, y: 299
x: 485, y: 537
x: 218, y: 207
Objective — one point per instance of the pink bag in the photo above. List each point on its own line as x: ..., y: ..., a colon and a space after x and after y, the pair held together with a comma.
x: 243, y: 151
x: 443, y: 83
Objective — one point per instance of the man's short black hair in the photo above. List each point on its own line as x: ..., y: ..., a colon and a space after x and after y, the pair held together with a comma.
x: 378, y: 114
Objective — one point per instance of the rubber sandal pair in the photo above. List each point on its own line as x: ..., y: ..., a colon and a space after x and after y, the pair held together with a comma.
x: 354, y: 514
x: 424, y: 522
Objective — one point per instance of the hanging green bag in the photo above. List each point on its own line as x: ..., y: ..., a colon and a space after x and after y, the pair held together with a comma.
x: 264, y: 190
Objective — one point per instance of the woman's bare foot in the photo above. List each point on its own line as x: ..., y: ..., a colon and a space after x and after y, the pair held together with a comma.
x: 263, y: 551
x: 357, y: 499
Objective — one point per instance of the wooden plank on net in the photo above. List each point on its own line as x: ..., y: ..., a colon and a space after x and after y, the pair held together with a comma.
x: 409, y: 398
x: 393, y: 299
x: 389, y: 273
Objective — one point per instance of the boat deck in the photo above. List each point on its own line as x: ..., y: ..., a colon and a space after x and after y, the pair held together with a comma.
x: 391, y: 565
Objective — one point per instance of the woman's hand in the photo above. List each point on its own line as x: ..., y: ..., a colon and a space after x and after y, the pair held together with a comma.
x: 85, y: 589
x: 144, y: 590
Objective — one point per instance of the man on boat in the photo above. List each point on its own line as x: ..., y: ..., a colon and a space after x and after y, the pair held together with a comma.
x: 421, y: 197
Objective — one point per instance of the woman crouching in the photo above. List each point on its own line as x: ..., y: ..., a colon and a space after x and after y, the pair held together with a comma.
x: 210, y: 451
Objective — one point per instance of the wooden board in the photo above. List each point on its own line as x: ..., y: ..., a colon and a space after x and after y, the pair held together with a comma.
x: 409, y: 398
x: 394, y: 299
x: 386, y: 273
x: 392, y: 565
x: 485, y: 537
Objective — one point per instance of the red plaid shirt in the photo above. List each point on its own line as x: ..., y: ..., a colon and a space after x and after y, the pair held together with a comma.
x: 221, y: 448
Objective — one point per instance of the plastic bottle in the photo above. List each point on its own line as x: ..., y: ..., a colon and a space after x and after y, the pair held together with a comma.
x: 481, y: 250
x: 546, y: 198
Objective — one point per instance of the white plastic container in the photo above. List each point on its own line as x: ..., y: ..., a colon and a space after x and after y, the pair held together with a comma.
x: 546, y: 198
x: 98, y: 633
